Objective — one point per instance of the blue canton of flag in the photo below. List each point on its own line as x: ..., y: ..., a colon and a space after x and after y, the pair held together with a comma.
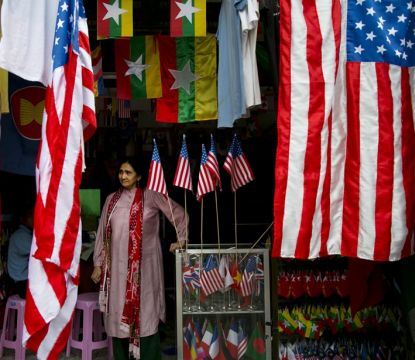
x: 66, y: 33
x: 381, y: 31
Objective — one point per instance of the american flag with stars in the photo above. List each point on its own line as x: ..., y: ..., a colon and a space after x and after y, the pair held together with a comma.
x: 205, y: 182
x: 69, y: 118
x: 156, y: 180
x: 210, y: 279
x: 346, y: 141
x: 381, y: 31
x: 212, y: 163
x: 182, y: 177
x: 248, y: 276
x: 237, y: 165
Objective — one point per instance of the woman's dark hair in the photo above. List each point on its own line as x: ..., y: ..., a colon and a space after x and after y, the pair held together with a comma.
x: 138, y: 167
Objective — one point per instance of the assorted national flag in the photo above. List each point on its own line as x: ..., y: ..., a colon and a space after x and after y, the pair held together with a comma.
x: 21, y: 128
x: 156, y: 180
x: 124, y: 109
x: 212, y: 163
x: 188, y: 70
x: 221, y: 340
x: 237, y: 166
x: 187, y: 18
x: 182, y: 177
x: 232, y: 339
x: 256, y: 345
x: 210, y: 279
x: 345, y: 155
x: 114, y: 19
x: 137, y: 65
x: 225, y: 272
x: 248, y: 276
x: 205, y: 183
x: 69, y: 109
x: 242, y: 342
x: 96, y: 56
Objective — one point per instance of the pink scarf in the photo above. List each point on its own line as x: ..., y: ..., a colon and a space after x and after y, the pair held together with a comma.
x: 130, y: 320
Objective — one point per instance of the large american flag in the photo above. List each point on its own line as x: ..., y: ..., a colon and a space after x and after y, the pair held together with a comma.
x: 182, y: 177
x: 69, y: 112
x: 212, y: 163
x: 156, y: 180
x: 205, y: 182
x: 346, y: 141
x: 237, y: 166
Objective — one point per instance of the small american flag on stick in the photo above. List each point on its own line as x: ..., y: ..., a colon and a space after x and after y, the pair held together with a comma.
x: 156, y: 180
x: 237, y: 166
x: 205, y: 183
x: 182, y: 177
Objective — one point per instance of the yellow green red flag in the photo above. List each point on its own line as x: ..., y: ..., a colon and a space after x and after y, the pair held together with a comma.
x: 137, y: 65
x: 188, y: 72
x: 187, y: 18
x: 114, y: 19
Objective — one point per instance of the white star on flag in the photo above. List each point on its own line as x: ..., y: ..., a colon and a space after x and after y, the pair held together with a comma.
x: 136, y: 67
x: 186, y: 10
x: 114, y: 11
x: 358, y: 49
x: 183, y: 78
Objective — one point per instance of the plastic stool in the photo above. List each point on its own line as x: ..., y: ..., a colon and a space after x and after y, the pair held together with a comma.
x: 87, y: 333
x: 11, y: 336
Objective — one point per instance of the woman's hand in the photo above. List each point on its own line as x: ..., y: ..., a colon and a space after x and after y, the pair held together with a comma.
x: 96, y: 274
x: 177, y: 245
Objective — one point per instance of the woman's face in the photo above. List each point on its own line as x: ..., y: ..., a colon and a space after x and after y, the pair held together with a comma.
x: 128, y: 177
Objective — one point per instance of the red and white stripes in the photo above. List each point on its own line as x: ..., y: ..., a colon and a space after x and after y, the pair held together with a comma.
x: 54, y: 265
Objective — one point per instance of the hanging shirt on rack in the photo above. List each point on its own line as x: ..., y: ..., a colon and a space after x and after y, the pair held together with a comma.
x: 231, y: 93
x: 249, y: 16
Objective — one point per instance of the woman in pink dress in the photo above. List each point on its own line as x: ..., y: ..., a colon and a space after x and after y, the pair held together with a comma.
x: 128, y: 263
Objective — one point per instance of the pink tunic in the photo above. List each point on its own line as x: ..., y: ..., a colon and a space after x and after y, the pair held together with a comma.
x: 153, y: 307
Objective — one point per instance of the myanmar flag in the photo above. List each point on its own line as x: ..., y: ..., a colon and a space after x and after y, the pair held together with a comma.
x: 188, y: 70
x: 114, y: 19
x: 187, y: 18
x: 137, y: 64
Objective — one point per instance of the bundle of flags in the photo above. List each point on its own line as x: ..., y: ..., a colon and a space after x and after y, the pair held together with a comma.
x: 236, y: 164
x: 215, y: 341
x: 245, y: 278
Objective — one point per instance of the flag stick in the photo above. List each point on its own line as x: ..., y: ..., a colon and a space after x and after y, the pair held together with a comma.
x: 236, y: 224
x: 217, y: 219
x: 256, y: 242
x: 201, y: 249
x: 185, y: 210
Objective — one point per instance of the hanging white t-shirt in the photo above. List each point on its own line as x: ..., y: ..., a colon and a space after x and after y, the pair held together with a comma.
x: 249, y: 25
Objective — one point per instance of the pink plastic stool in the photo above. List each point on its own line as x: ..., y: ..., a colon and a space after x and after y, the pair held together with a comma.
x: 11, y: 336
x: 88, y: 333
